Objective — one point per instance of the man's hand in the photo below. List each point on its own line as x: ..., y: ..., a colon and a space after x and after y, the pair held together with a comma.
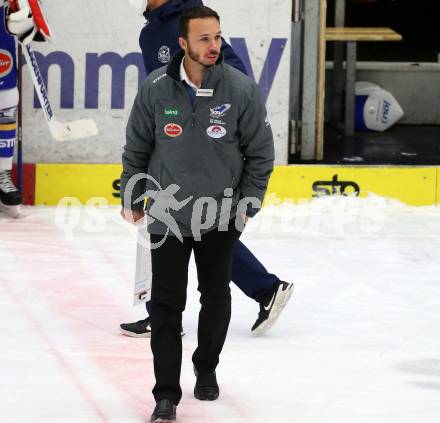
x: 132, y: 216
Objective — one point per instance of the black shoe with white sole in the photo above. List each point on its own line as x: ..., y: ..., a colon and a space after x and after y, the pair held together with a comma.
x: 165, y: 412
x: 270, y: 310
x: 139, y: 329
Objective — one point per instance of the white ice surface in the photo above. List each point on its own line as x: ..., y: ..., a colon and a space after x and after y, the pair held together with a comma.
x: 358, y: 342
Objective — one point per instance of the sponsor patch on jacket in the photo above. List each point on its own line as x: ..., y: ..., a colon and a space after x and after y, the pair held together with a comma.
x: 6, y: 63
x: 164, y: 54
x: 171, y: 111
x: 216, y: 122
x: 173, y: 130
x: 220, y: 111
x: 216, y: 131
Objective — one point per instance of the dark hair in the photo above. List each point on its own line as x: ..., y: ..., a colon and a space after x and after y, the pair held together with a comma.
x: 198, y: 12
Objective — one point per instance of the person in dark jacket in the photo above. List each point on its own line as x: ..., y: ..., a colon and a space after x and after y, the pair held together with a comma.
x: 158, y: 38
x: 159, y: 42
x: 199, y: 127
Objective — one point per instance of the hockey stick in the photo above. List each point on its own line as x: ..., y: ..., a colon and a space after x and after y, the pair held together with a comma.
x: 60, y: 131
x: 20, y: 121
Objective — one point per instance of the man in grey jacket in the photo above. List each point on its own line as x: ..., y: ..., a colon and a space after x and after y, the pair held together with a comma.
x: 198, y: 132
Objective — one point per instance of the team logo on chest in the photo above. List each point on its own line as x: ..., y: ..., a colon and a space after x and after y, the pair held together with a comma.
x: 216, y: 131
x: 220, y: 111
x: 6, y: 63
x: 173, y: 130
x: 164, y: 54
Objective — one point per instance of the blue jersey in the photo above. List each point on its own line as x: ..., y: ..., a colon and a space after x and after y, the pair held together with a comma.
x: 8, y: 59
x: 159, y: 37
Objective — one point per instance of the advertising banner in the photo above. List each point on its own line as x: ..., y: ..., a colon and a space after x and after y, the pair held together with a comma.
x: 93, y: 69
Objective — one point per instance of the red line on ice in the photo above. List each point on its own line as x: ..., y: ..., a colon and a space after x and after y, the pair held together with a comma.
x: 60, y: 359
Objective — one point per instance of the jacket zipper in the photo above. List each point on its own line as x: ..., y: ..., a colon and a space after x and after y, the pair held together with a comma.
x: 183, y: 89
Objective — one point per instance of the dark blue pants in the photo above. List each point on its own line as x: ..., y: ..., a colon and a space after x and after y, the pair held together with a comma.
x: 248, y: 274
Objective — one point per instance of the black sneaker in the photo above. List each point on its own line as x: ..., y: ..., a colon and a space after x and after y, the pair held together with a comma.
x: 271, y: 310
x: 139, y: 329
x: 164, y: 412
x: 206, y: 388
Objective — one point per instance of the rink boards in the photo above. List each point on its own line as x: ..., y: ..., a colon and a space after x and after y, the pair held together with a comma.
x: 98, y: 184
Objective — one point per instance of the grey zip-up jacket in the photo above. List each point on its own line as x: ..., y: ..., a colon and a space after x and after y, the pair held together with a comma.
x: 223, y: 141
